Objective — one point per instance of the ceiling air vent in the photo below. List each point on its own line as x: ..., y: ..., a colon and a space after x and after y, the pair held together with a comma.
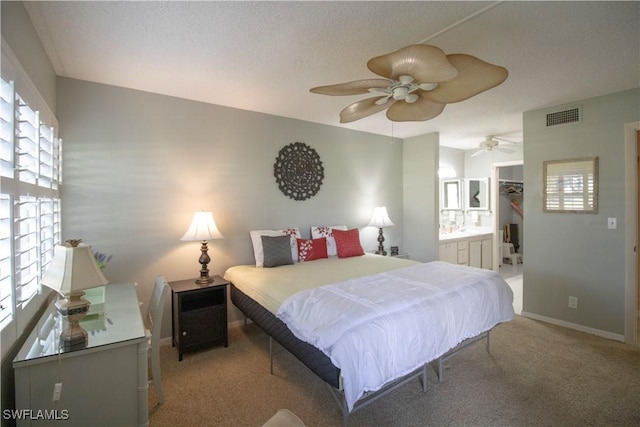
x: 563, y: 117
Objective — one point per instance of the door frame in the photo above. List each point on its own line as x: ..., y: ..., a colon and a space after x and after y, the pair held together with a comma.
x: 631, y: 235
x: 495, y: 192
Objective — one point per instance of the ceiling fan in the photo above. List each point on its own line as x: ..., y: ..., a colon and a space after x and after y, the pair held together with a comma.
x: 492, y: 143
x: 419, y: 80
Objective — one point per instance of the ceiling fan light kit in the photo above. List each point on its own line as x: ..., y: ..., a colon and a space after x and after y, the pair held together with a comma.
x: 419, y: 81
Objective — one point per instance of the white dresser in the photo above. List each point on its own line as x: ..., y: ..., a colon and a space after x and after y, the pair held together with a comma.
x: 104, y: 384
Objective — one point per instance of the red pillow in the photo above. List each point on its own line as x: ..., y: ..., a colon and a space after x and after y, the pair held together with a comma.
x: 348, y: 243
x: 311, y: 249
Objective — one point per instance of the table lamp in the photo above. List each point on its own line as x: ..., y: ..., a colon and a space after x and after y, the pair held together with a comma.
x: 203, y: 228
x: 73, y: 269
x: 380, y: 219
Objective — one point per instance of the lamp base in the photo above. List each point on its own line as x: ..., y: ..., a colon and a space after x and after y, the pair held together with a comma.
x: 204, y: 280
x: 381, y: 250
x: 73, y: 309
x: 74, y: 339
x: 204, y: 260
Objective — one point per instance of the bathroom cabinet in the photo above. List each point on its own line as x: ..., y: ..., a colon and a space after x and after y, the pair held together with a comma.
x: 474, y: 250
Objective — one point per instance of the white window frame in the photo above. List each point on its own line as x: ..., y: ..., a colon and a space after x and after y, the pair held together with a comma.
x: 30, y: 178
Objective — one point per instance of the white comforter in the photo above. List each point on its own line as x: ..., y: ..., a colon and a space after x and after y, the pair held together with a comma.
x: 380, y: 327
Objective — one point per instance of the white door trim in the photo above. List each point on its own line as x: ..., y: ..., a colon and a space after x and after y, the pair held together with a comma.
x: 631, y: 225
x: 495, y: 192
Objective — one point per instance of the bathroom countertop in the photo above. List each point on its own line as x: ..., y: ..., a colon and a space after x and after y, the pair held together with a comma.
x: 461, y: 235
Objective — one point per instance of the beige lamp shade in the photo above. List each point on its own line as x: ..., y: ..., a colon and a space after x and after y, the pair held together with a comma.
x: 73, y: 269
x: 203, y: 227
x: 380, y: 218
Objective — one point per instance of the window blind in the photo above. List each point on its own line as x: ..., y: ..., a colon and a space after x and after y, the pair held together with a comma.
x: 571, y: 189
x: 26, y: 160
x: 30, y: 174
x: 6, y: 201
x: 6, y: 128
x: 6, y: 260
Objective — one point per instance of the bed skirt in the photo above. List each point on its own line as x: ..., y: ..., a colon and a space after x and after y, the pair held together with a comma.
x: 309, y: 355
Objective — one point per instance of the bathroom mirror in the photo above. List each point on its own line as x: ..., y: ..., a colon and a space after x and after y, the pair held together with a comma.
x: 477, y: 194
x: 451, y: 195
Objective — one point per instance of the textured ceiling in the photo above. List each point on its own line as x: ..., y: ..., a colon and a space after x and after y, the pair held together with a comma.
x: 264, y: 56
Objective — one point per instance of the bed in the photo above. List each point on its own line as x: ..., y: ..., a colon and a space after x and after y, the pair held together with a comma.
x: 460, y: 304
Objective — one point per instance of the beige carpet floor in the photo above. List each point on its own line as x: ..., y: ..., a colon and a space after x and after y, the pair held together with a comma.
x: 536, y: 374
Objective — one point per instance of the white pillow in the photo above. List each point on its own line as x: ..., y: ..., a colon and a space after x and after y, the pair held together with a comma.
x: 258, y: 250
x: 327, y: 232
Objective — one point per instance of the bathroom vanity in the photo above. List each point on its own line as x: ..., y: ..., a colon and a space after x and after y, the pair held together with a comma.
x: 470, y: 248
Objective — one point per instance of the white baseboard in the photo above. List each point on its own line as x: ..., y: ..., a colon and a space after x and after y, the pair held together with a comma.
x: 574, y: 326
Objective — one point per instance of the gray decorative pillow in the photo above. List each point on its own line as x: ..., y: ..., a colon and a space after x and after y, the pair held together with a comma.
x: 277, y: 250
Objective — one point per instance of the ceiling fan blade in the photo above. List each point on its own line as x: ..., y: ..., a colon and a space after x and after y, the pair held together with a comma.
x: 382, y: 99
x: 420, y: 110
x: 508, y: 141
x: 364, y: 108
x: 503, y: 150
x: 351, y: 88
x: 474, y: 76
x: 477, y: 152
x: 425, y: 63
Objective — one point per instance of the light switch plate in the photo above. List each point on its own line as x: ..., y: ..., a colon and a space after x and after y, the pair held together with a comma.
x: 612, y: 223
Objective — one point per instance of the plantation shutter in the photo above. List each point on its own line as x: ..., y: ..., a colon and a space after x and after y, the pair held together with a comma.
x: 571, y: 189
x: 30, y: 176
x: 6, y: 170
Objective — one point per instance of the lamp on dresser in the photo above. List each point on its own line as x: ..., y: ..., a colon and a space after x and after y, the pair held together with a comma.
x: 203, y: 228
x: 380, y: 219
x: 72, y: 270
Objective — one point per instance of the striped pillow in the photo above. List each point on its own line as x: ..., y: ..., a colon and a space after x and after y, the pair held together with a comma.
x: 277, y: 250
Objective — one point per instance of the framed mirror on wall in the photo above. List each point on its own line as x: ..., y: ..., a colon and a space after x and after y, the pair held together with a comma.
x: 570, y: 186
x: 477, y: 194
x: 451, y: 195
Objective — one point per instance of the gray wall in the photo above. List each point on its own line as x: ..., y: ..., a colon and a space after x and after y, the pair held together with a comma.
x: 453, y: 158
x: 18, y: 32
x: 575, y: 254
x: 137, y: 165
x: 420, y: 187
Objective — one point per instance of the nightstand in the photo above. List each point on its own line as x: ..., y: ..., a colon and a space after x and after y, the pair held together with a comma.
x: 199, y: 314
x: 401, y: 255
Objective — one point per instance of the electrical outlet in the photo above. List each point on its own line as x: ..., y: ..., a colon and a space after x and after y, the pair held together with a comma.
x: 57, y: 391
x: 573, y: 302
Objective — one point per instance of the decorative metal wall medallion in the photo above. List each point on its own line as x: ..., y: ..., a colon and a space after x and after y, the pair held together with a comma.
x: 298, y: 171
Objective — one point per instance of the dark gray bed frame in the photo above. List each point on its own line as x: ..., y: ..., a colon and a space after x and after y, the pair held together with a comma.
x: 320, y: 364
